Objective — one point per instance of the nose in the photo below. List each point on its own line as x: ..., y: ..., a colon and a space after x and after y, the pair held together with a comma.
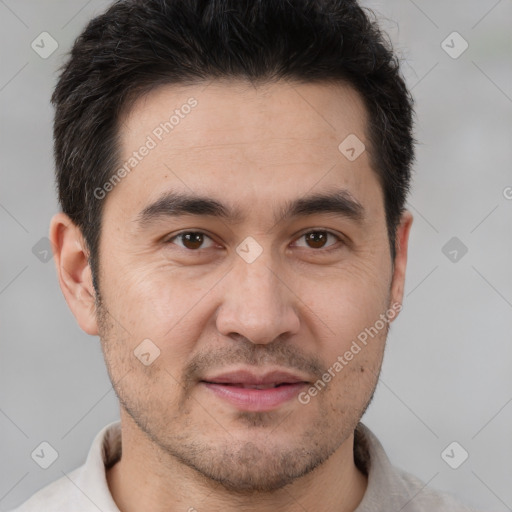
x: 257, y: 303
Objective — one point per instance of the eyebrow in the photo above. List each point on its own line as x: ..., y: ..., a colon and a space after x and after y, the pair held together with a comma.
x: 175, y: 204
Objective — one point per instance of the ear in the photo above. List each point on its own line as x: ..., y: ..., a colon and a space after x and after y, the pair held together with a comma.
x: 73, y: 270
x: 400, y: 263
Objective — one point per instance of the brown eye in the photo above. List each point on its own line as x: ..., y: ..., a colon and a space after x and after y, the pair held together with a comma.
x: 318, y: 239
x: 191, y: 240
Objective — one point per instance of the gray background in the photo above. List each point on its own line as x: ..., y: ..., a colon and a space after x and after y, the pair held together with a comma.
x: 447, y: 372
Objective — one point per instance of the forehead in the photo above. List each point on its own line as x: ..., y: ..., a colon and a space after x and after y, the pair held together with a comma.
x: 244, y: 143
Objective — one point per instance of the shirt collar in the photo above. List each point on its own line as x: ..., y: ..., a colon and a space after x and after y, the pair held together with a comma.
x: 105, y: 451
x: 385, y: 487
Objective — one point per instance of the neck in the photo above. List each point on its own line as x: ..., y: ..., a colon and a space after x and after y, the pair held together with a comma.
x: 145, y: 479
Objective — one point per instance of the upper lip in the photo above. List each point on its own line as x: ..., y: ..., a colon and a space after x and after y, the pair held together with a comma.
x: 255, y: 379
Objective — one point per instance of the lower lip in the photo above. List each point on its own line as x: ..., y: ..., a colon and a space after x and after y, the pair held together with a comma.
x: 250, y: 399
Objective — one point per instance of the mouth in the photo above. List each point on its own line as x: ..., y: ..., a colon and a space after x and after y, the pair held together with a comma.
x: 253, y: 386
x: 248, y: 391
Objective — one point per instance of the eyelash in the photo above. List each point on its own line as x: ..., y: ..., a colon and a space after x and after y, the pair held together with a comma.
x: 330, y: 248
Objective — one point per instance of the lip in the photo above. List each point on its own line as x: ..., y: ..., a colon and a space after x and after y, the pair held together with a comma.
x: 252, y: 378
x: 238, y: 388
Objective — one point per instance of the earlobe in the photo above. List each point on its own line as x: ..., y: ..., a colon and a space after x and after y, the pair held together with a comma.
x: 73, y: 271
x: 401, y: 245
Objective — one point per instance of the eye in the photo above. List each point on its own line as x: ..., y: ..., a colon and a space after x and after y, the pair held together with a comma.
x: 197, y: 240
x: 318, y: 239
x: 191, y: 240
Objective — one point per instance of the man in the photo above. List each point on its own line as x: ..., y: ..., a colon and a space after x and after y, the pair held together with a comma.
x: 232, y: 177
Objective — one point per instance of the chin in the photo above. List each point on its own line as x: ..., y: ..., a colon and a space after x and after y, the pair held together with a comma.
x: 254, y: 465
x: 268, y: 475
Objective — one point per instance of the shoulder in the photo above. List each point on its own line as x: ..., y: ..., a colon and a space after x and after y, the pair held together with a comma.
x: 423, y: 498
x: 85, y: 489
x: 391, y: 488
x: 55, y: 497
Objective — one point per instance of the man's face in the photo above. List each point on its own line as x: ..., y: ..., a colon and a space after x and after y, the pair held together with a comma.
x: 231, y: 316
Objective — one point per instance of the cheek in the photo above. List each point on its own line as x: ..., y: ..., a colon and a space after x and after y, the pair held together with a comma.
x: 165, y: 306
x: 152, y: 302
x: 351, y: 332
x: 351, y: 300
x: 354, y: 364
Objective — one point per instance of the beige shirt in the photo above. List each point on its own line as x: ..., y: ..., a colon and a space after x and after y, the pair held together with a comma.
x: 390, y: 489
